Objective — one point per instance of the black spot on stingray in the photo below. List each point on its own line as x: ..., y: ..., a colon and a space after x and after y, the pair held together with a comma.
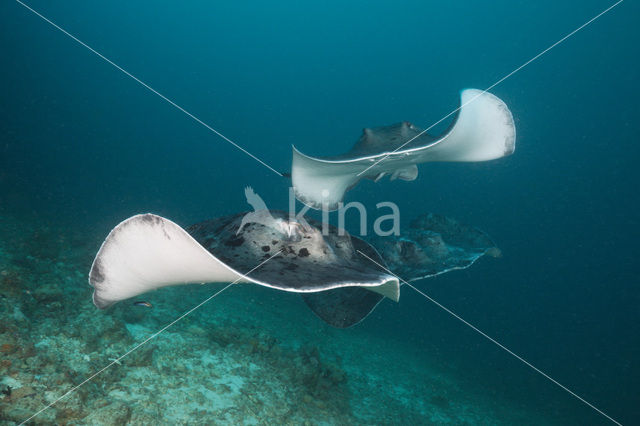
x: 291, y: 267
x: 234, y: 241
x: 303, y: 252
x: 266, y: 248
x: 274, y: 242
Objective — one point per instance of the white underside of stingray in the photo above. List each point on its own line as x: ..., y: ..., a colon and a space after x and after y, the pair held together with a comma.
x: 148, y: 252
x: 483, y: 130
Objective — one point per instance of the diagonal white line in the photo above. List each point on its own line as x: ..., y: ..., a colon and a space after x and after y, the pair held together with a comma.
x: 154, y: 335
x: 495, y: 84
x: 145, y: 85
x: 492, y: 340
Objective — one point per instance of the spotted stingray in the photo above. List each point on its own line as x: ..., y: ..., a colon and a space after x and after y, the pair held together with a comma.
x: 483, y: 130
x: 341, y: 277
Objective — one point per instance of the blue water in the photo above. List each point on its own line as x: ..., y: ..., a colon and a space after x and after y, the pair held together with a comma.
x: 84, y: 146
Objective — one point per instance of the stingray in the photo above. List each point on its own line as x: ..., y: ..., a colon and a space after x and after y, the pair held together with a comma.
x: 482, y: 130
x: 147, y: 252
x: 333, y: 272
x: 430, y: 246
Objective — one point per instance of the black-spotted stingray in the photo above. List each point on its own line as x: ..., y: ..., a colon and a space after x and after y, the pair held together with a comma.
x: 334, y: 272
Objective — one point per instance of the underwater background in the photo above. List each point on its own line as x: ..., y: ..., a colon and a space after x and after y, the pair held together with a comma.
x: 82, y: 147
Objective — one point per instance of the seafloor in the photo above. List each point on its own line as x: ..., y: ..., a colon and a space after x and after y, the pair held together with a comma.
x: 249, y: 356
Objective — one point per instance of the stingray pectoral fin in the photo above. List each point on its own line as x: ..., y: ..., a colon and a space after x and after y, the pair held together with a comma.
x: 484, y: 130
x: 321, y: 184
x: 342, y: 307
x: 390, y: 289
x: 146, y: 252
